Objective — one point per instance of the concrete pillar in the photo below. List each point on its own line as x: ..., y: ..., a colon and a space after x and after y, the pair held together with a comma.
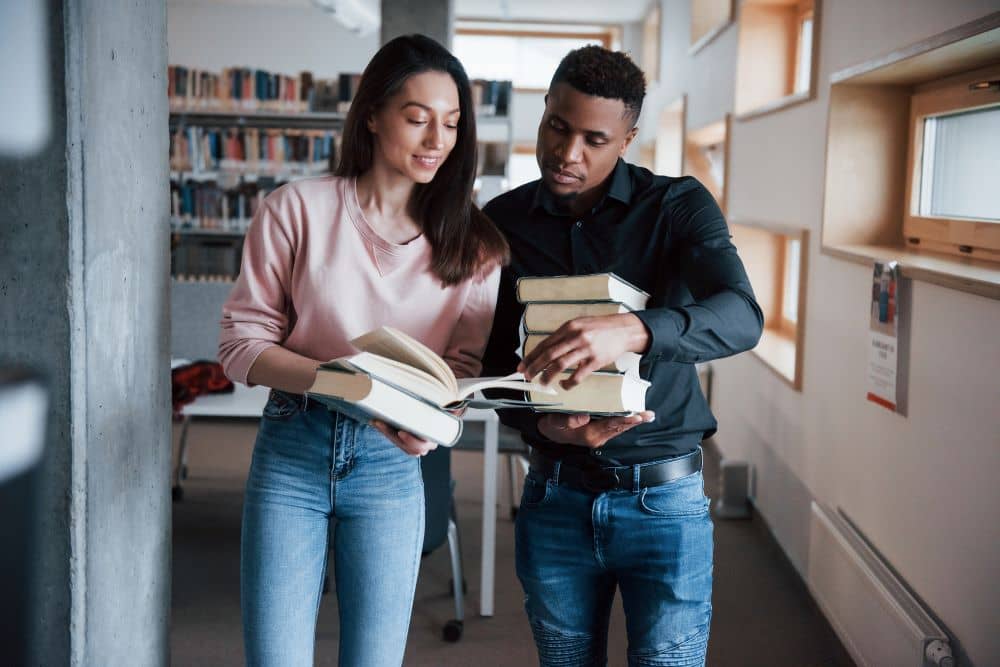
x: 434, y: 18
x: 84, y: 276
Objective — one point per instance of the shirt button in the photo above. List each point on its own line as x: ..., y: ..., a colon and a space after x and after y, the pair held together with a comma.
x: 598, y: 453
x: 579, y: 223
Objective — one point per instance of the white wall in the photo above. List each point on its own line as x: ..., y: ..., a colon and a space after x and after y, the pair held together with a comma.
x: 923, y: 488
x: 287, y: 41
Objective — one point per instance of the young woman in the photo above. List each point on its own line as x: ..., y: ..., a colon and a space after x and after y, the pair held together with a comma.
x: 392, y: 239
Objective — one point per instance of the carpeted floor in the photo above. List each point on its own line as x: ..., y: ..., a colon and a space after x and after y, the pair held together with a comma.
x: 763, y: 614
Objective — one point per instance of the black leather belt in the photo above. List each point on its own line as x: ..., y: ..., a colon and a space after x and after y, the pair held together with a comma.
x: 599, y: 480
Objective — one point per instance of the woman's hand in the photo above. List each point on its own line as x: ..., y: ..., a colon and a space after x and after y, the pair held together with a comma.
x: 408, y: 442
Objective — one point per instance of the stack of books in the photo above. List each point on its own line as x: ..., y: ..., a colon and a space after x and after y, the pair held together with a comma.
x: 550, y: 302
x: 399, y: 380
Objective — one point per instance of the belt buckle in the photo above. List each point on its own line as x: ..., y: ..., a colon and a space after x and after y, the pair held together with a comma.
x: 601, y: 480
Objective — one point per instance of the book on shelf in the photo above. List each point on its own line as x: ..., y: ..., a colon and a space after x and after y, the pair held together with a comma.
x: 295, y: 152
x: 398, y: 379
x: 626, y: 363
x: 592, y: 287
x: 542, y: 317
x: 491, y: 97
x: 600, y: 393
x: 236, y: 89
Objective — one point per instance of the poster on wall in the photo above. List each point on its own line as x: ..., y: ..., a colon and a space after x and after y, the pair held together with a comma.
x: 888, y: 336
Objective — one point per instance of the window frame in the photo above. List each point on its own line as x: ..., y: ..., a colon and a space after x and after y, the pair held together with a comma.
x: 652, y: 31
x: 782, y: 345
x: 722, y: 21
x: 607, y: 35
x: 747, y: 77
x: 696, y: 143
x: 964, y: 237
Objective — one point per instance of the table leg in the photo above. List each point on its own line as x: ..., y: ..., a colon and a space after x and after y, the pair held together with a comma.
x: 490, y: 456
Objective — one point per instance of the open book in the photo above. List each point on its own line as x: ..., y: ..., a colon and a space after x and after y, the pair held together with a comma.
x: 402, y: 360
x: 398, y: 379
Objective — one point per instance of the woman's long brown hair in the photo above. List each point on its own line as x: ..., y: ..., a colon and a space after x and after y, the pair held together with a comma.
x: 463, y: 240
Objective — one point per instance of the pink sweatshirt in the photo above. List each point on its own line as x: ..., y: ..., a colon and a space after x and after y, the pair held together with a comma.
x: 315, y: 275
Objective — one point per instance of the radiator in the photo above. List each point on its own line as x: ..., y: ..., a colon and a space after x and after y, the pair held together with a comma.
x: 879, y: 621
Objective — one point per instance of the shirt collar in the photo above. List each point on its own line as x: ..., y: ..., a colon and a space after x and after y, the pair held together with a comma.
x: 620, y: 190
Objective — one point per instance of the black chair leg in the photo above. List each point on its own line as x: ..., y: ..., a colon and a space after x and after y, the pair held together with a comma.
x: 453, y: 629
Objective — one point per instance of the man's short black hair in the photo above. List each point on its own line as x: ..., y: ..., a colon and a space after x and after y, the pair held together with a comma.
x: 595, y: 70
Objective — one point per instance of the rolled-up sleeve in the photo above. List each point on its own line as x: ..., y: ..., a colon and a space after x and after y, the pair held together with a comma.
x: 465, y: 349
x: 256, y: 315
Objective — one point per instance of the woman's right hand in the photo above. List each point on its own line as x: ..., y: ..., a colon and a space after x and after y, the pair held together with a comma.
x: 406, y: 441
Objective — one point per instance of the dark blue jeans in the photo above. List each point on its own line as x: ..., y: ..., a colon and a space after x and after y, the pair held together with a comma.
x: 314, y: 469
x: 574, y: 548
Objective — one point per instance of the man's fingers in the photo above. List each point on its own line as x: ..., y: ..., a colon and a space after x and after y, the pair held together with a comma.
x: 581, y: 372
x: 556, y: 367
x: 561, y: 422
x: 622, y: 424
x: 551, y: 359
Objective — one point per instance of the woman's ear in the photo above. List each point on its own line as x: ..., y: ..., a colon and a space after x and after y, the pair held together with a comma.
x: 370, y: 123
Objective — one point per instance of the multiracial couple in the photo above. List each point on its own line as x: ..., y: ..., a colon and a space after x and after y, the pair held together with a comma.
x: 393, y: 238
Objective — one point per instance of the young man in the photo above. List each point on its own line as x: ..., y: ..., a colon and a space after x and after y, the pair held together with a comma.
x: 618, y: 502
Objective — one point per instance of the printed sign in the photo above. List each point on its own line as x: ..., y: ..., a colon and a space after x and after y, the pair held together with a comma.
x: 884, y: 353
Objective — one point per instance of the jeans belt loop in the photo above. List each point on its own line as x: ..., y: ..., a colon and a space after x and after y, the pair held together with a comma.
x: 636, y: 470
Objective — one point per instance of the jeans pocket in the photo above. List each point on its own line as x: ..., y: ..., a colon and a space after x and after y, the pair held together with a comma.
x: 681, y: 498
x: 281, y: 405
x: 536, y: 491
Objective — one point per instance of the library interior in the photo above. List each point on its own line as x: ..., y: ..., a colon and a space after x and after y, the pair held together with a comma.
x: 173, y: 174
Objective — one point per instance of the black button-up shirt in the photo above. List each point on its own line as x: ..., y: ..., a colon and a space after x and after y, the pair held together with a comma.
x: 668, y: 237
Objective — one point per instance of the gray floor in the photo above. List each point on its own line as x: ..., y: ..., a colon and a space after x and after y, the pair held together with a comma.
x: 763, y: 614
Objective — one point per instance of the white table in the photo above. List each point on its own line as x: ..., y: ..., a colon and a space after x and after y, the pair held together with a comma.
x: 248, y: 402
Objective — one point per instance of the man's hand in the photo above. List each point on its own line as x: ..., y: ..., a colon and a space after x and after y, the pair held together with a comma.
x: 408, y: 442
x: 586, y: 432
x: 586, y: 343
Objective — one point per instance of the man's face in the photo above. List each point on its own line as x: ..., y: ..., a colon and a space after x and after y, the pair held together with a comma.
x: 580, y: 140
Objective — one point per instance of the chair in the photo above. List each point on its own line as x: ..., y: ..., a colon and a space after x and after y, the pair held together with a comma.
x: 195, y: 313
x: 441, y: 524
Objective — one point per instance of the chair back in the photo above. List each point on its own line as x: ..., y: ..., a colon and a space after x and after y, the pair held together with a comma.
x: 436, y: 470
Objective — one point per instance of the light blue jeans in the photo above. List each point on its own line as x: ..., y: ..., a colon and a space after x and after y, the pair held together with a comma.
x: 574, y: 548
x: 314, y: 471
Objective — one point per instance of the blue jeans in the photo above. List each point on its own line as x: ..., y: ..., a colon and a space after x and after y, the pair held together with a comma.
x: 315, y: 470
x: 574, y: 548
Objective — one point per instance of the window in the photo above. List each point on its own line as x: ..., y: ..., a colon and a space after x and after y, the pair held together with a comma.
x: 960, y: 151
x: 955, y: 149
x: 775, y: 262
x: 706, y: 157
x: 668, y: 157
x: 526, y: 54
x: 790, y: 284
x: 912, y: 157
x: 708, y: 19
x: 651, y: 44
x: 803, y: 58
x: 775, y: 54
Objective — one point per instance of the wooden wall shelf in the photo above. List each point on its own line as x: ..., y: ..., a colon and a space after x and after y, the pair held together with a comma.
x: 867, y: 151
